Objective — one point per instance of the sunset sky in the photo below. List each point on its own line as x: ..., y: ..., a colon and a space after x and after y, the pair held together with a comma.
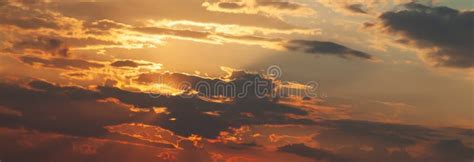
x: 117, y: 80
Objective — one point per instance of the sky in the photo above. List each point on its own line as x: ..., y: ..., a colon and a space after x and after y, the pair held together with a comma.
x: 160, y: 80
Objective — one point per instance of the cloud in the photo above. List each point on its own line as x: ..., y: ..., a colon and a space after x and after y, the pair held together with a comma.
x: 361, y: 7
x: 314, y: 153
x: 60, y: 63
x: 235, y: 85
x: 77, y: 75
x: 213, y: 36
x: 190, y: 10
x: 22, y: 18
x: 263, y: 7
x: 444, y: 32
x: 40, y: 45
x: 173, y: 32
x: 83, y: 113
x: 128, y: 63
x: 375, y: 134
x: 106, y: 113
x: 326, y: 48
x: 452, y: 150
x: 79, y: 33
x: 357, y: 8
x: 45, y: 146
x: 104, y: 24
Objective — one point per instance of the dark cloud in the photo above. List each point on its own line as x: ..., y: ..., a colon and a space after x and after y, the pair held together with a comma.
x: 77, y: 75
x: 284, y: 5
x: 60, y: 63
x: 348, y: 137
x: 357, y: 8
x: 80, y: 112
x: 326, y: 48
x: 40, y: 45
x: 75, y: 108
x: 281, y: 5
x: 128, y: 63
x: 378, y: 135
x: 453, y: 150
x: 83, y: 112
x: 368, y: 24
x: 46, y: 147
x: 314, y: 153
x: 448, y: 30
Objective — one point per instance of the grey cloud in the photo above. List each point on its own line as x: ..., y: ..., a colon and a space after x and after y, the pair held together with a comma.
x: 325, y: 48
x: 449, y: 30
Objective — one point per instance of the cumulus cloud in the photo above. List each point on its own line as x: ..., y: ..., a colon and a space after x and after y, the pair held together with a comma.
x: 445, y: 33
x: 326, y: 48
